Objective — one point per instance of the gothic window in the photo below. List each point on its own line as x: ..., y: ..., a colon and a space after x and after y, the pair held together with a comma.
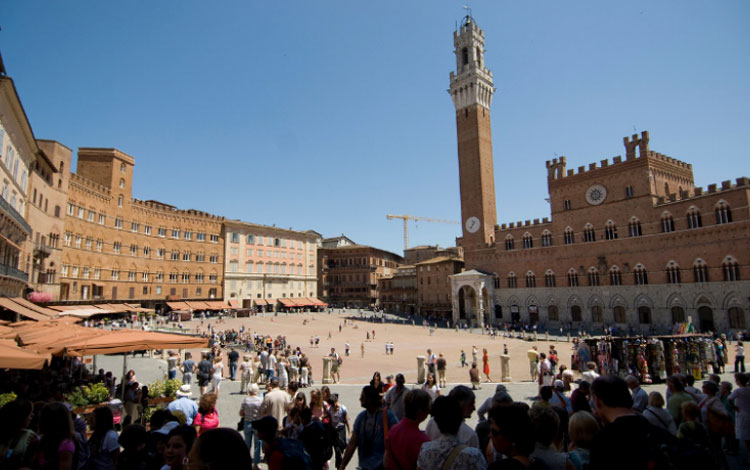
x: 610, y: 231
x: 678, y: 315
x: 553, y: 313
x: 569, y: 236
x: 640, y: 275
x: 644, y: 315
x: 512, y: 281
x: 509, y: 245
x: 731, y: 269
x: 634, y: 227
x: 593, y: 276
x: 700, y: 271
x: 530, y: 279
x: 588, y: 233
x: 575, y: 313
x: 628, y: 191
x: 694, y: 218
x: 546, y: 238
x: 667, y: 222
x: 464, y: 57
x: 615, y: 276
x: 528, y: 242
x: 479, y: 57
x: 596, y: 314
x: 566, y: 204
x: 619, y: 312
x: 723, y: 213
x: 496, y: 279
x: 572, y: 278
x: 736, y: 318
x: 673, y: 273
x: 549, y: 278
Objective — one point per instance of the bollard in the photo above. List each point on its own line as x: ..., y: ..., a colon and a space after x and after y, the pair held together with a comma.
x: 421, y: 373
x: 327, y: 370
x: 505, y: 368
x: 568, y: 340
x: 535, y: 336
x: 546, y: 335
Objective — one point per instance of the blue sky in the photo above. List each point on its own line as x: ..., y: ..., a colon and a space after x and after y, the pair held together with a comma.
x: 328, y: 115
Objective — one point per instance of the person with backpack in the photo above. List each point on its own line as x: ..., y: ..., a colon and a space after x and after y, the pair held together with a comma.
x: 315, y: 440
x: 370, y: 431
x: 280, y: 452
x: 336, y: 362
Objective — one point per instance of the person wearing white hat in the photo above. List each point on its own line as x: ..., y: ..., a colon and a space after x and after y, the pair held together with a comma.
x: 559, y: 399
x: 184, y: 404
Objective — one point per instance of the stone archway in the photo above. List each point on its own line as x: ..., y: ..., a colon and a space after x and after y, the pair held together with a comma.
x: 705, y: 319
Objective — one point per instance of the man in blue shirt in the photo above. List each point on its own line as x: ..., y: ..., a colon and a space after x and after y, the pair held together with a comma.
x: 184, y: 404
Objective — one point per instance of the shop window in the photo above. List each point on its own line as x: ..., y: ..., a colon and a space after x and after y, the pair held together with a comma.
x: 644, y: 315
x: 575, y: 313
x: 619, y: 313
x: 736, y: 318
x: 678, y: 315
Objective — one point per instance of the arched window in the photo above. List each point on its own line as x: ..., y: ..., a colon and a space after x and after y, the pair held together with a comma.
x: 588, y: 233
x: 731, y: 269
x: 634, y: 227
x: 575, y: 313
x: 572, y: 278
x: 667, y: 222
x: 596, y: 314
x: 464, y: 56
x: 119, y: 201
x: 593, y: 276
x: 700, y: 271
x: 569, y: 236
x: 673, y: 273
x: 528, y: 242
x: 678, y: 315
x: 610, y: 231
x: 549, y: 278
x: 723, y: 213
x: 546, y: 238
x: 615, y: 276
x: 259, y: 267
x: 619, y: 313
x: 640, y: 275
x: 694, y: 218
x: 736, y: 318
x: 530, y: 279
x: 512, y: 281
x: 553, y: 313
x: 644, y: 315
x: 509, y: 245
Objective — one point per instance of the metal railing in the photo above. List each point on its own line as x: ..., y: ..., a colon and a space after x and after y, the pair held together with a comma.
x: 14, y: 214
x: 13, y: 272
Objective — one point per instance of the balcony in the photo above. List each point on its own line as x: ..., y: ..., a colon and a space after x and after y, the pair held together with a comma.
x: 14, y: 215
x: 41, y: 250
x: 13, y: 272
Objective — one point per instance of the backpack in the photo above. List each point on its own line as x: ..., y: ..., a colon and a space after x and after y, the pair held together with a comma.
x: 294, y: 455
x: 339, y: 361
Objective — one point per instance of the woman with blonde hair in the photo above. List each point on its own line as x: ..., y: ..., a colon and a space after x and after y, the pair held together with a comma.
x: 582, y: 428
x: 657, y: 415
x: 216, y: 375
x: 317, y: 405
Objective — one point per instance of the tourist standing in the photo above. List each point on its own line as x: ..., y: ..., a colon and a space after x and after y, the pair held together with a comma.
x: 217, y: 373
x: 657, y: 415
x: 250, y: 411
x: 441, y: 366
x: 533, y: 355
x: 207, y: 417
x: 447, y: 449
x: 275, y: 402
x: 234, y: 358
x: 369, y: 432
x: 405, y: 439
x: 246, y: 372
x: 467, y: 403
x: 184, y: 404
x: 394, y: 397
x: 204, y: 373
x: 171, y: 365
x: 431, y: 387
x: 188, y: 367
x: 474, y: 377
x: 640, y: 397
x: 486, y: 364
x: 740, y: 398
x: 739, y: 357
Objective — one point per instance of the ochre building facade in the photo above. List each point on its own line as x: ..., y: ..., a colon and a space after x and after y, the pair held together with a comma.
x: 631, y: 243
x: 117, y: 247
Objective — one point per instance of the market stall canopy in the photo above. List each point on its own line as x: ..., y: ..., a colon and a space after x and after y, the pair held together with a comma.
x: 137, y: 308
x: 260, y: 302
x: 178, y: 306
x: 22, y: 310
x: 234, y: 303
x: 217, y: 305
x: 32, y: 306
x: 198, y: 305
x: 132, y: 340
x: 85, y: 312
x: 13, y: 357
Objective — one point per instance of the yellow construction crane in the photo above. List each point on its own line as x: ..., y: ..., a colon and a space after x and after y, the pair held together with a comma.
x: 407, y: 218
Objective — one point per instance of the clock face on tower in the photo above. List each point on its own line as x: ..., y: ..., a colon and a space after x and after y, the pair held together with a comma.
x: 472, y: 224
x: 596, y: 194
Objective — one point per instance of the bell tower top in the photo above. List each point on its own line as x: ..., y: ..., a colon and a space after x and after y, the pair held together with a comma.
x: 471, y: 83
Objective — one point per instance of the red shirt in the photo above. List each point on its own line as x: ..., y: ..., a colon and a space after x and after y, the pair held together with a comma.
x: 403, y: 444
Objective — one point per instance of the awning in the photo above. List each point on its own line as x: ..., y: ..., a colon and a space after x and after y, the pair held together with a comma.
x: 317, y: 302
x: 217, y: 305
x: 32, y: 306
x: 21, y: 310
x: 198, y: 305
x: 137, y: 308
x: 287, y: 303
x: 234, y: 303
x: 86, y: 312
x: 13, y: 357
x: 260, y: 302
x: 178, y: 305
x: 114, y: 308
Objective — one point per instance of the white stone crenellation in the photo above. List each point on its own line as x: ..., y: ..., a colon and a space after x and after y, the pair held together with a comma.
x: 471, y: 83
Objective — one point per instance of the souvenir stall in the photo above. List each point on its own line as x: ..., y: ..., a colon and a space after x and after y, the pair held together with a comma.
x: 654, y: 358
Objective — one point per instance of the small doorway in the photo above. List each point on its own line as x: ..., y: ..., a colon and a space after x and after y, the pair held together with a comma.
x: 515, y: 313
x: 533, y: 314
x: 706, y: 319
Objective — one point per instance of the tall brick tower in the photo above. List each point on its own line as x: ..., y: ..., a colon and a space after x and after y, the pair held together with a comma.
x: 472, y: 89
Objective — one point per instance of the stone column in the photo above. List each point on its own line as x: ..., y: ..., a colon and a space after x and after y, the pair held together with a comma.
x: 327, y: 370
x: 421, y: 373
x: 505, y: 368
